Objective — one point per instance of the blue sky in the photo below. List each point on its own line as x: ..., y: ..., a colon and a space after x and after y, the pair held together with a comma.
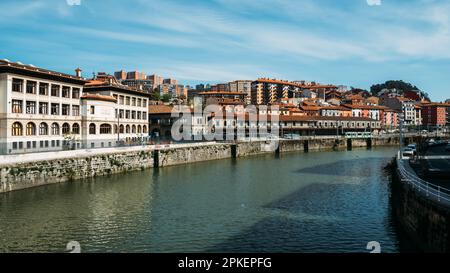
x: 350, y: 42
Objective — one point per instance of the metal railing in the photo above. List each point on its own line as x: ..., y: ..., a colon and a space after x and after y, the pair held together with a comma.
x: 425, y: 188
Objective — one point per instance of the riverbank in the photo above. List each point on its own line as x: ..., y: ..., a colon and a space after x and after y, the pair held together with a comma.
x: 31, y: 170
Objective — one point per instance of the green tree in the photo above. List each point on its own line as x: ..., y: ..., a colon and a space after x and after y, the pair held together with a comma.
x: 166, y: 98
x: 399, y: 85
x: 156, y: 95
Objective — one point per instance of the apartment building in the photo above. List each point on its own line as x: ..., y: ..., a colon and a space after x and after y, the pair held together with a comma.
x: 242, y: 86
x: 39, y: 109
x: 434, y: 114
x: 130, y: 107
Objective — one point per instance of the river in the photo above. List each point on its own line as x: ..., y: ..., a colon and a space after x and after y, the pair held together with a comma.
x: 297, y: 202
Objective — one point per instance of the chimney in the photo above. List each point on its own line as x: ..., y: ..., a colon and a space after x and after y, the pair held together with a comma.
x: 78, y: 72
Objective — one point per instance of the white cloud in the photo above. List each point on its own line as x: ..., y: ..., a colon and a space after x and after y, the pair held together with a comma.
x: 374, y: 2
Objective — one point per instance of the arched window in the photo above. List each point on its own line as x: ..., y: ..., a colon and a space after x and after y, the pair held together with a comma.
x: 105, y: 129
x: 92, y: 129
x: 127, y: 130
x: 43, y: 129
x: 121, y: 129
x: 66, y: 128
x: 144, y: 129
x: 133, y: 129
x: 115, y: 129
x: 76, y: 128
x: 139, y: 129
x: 31, y: 129
x: 55, y: 129
x: 17, y: 129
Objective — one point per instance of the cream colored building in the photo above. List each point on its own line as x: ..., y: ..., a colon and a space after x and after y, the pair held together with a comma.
x: 43, y: 110
x: 38, y: 108
x: 119, y: 107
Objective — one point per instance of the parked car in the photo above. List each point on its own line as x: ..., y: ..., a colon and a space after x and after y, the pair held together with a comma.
x: 413, y: 147
x: 408, y: 153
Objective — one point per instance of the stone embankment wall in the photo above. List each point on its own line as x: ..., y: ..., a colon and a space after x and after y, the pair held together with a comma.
x: 426, y: 221
x: 18, y: 172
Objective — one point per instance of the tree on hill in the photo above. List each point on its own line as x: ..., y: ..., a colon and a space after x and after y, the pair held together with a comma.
x: 400, y: 85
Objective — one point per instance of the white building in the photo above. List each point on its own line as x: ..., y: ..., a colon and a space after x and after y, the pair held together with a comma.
x: 117, y: 114
x: 43, y: 110
x: 38, y: 108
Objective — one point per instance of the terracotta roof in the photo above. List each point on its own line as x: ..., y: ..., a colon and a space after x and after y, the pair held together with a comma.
x: 339, y: 108
x: 160, y: 109
x: 88, y: 96
x: 367, y: 107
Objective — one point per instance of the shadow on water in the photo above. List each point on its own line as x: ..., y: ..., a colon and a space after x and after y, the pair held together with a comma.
x: 356, y: 167
x: 332, y: 217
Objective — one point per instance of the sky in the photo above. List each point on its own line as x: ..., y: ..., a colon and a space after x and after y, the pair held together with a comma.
x: 347, y: 42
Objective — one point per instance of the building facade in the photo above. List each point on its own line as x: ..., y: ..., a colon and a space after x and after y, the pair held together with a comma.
x: 39, y: 109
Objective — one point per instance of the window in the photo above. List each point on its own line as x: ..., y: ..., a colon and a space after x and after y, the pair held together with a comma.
x: 115, y: 96
x: 17, y: 85
x: 92, y: 129
x: 75, y: 93
x: 144, y: 129
x: 133, y: 102
x: 55, y: 90
x: 16, y: 129
x: 76, y: 129
x: 121, y: 129
x: 55, y: 129
x: 31, y: 129
x: 66, y: 92
x: 66, y: 128
x: 31, y: 87
x: 139, y: 102
x: 17, y: 106
x: 31, y: 107
x: 133, y: 129
x: 75, y: 110
x: 121, y: 99
x: 43, y: 89
x: 43, y: 129
x: 133, y: 114
x: 55, y: 109
x: 144, y: 103
x: 144, y: 115
x: 65, y: 109
x: 92, y: 110
x: 127, y: 130
x: 14, y: 146
x: 43, y: 108
x: 127, y: 114
x: 115, y: 129
x: 139, y: 129
x: 127, y: 100
x: 105, y: 129
x: 28, y: 144
x: 120, y: 113
x: 139, y: 115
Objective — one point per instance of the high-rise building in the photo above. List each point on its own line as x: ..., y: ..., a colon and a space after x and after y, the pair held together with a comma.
x: 136, y: 75
x: 120, y: 75
x: 170, y: 81
x: 157, y: 80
